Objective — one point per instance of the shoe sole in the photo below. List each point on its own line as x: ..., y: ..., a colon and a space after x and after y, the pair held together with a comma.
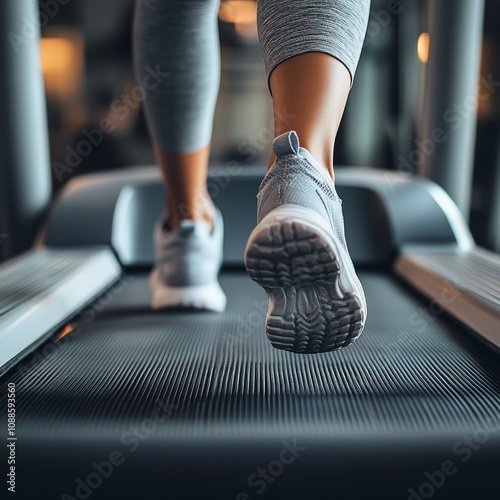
x: 208, y: 297
x: 313, y: 303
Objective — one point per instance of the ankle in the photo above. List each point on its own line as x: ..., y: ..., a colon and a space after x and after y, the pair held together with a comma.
x: 323, y: 156
x: 322, y: 153
x: 177, y: 212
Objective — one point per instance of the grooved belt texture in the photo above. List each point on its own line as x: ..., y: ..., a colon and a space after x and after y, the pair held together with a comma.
x: 34, y: 273
x: 410, y: 372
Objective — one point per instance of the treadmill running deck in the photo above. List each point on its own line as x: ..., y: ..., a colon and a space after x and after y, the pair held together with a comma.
x: 218, y: 400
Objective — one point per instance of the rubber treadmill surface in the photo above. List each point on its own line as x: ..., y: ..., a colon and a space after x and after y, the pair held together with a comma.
x: 193, y: 400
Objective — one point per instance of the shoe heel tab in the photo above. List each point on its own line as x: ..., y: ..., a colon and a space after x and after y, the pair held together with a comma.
x: 187, y: 227
x: 286, y: 144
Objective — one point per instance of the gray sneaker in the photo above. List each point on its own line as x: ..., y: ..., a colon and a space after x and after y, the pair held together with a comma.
x: 187, y: 265
x: 298, y: 254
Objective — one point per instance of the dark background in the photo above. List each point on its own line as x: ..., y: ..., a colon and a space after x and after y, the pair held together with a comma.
x: 86, y: 54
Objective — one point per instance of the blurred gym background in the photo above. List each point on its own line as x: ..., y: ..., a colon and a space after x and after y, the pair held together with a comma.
x: 86, y: 61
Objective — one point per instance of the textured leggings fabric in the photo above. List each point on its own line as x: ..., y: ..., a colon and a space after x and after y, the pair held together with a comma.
x: 176, y: 51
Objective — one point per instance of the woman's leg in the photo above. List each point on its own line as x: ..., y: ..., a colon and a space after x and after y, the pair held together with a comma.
x: 311, y: 49
x: 180, y: 38
x: 298, y: 252
x: 313, y: 88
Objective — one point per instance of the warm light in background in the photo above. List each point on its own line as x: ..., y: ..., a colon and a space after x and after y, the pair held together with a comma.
x: 423, y: 45
x: 62, y: 63
x: 238, y: 11
x: 62, y: 59
x: 57, y: 56
x: 241, y: 13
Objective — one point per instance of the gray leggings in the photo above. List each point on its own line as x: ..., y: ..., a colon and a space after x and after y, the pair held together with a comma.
x: 176, y: 47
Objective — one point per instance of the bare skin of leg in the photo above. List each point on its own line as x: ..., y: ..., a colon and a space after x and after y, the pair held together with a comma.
x: 313, y: 88
x: 185, y: 180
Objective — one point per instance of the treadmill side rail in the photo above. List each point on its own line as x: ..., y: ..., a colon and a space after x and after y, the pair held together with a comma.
x: 466, y: 284
x: 43, y: 288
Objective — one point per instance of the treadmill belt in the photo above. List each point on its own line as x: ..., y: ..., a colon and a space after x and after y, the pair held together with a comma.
x: 409, y: 371
x: 371, y: 418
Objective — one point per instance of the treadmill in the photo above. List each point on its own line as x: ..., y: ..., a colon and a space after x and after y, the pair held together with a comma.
x: 114, y: 400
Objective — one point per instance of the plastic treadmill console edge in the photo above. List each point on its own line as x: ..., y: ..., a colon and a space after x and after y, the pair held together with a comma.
x: 383, y: 211
x: 29, y: 321
x: 464, y: 283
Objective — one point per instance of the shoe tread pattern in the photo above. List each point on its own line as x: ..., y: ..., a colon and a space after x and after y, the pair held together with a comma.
x: 309, y: 311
